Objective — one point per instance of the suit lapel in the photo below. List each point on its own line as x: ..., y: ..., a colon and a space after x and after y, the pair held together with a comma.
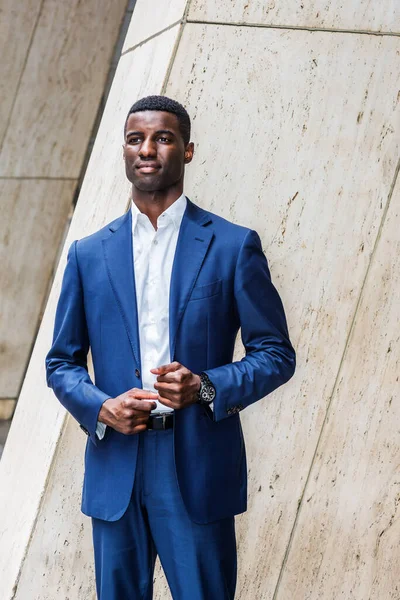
x: 193, y: 242
x: 118, y: 254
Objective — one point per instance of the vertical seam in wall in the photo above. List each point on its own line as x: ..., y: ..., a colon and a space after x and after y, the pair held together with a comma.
x: 348, y: 339
x: 176, y: 46
x: 10, y: 113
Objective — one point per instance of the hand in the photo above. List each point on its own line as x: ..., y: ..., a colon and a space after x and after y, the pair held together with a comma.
x: 177, y: 386
x: 129, y: 412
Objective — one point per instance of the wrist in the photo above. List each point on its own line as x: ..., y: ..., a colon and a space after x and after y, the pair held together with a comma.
x: 104, y: 413
x: 198, y: 383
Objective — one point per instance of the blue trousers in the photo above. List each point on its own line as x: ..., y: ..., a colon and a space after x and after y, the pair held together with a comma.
x: 199, y: 561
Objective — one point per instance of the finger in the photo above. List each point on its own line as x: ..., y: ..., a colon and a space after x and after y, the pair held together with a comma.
x: 174, y: 366
x: 168, y: 390
x: 142, y: 405
x: 138, y: 429
x: 141, y: 394
x: 170, y: 377
x: 139, y: 420
x: 167, y: 402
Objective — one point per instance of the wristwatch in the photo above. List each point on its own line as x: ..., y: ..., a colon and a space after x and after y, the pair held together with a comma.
x: 206, y: 393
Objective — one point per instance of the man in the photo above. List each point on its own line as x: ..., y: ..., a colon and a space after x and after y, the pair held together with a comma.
x: 159, y: 296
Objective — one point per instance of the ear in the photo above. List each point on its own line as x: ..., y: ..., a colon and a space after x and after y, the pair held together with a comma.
x: 189, y: 152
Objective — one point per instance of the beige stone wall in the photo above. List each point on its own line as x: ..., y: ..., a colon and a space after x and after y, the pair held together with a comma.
x: 55, y: 60
x: 296, y: 122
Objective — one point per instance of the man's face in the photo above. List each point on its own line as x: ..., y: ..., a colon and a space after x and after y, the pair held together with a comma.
x: 154, y: 151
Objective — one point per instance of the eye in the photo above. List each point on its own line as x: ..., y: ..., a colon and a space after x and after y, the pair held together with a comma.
x: 133, y: 140
x: 164, y: 140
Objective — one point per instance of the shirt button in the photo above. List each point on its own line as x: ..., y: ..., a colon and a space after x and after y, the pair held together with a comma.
x: 155, y: 242
x: 137, y: 373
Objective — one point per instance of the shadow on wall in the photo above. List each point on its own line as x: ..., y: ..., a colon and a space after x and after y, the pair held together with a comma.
x: 4, y: 428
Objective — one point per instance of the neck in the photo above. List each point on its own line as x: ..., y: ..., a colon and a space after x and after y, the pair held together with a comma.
x: 153, y: 204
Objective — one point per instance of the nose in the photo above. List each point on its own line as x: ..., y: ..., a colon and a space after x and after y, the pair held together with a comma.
x: 147, y: 148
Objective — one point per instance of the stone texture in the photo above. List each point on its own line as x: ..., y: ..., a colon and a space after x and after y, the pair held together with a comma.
x: 149, y: 19
x: 330, y: 14
x: 62, y: 86
x: 346, y: 543
x: 7, y: 406
x: 296, y: 136
x: 17, y: 23
x: 29, y: 467
x: 60, y: 552
x: 33, y: 222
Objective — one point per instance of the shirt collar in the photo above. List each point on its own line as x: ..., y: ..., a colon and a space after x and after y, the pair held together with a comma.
x: 175, y: 212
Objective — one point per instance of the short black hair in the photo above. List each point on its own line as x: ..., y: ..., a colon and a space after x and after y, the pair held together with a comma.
x: 164, y: 104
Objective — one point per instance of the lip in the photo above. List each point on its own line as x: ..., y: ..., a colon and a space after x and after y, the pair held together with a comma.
x: 148, y: 167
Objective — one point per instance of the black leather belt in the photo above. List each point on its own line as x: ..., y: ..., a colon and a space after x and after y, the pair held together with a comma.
x: 161, y: 421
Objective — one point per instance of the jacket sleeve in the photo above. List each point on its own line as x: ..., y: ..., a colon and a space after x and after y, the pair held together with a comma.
x: 66, y: 362
x: 270, y: 359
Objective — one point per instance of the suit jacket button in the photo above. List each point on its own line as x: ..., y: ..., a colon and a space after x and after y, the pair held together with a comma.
x: 137, y: 373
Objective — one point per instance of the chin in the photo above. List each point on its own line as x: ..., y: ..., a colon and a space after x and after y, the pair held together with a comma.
x: 149, y: 184
x: 146, y: 187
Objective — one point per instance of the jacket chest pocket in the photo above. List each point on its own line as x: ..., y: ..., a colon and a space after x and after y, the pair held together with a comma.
x: 206, y: 291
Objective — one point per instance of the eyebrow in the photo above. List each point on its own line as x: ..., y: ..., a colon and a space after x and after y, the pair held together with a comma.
x: 165, y: 131
x: 128, y: 133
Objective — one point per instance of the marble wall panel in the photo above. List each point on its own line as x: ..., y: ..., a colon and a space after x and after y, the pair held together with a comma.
x: 60, y: 556
x: 34, y: 213
x: 346, y: 543
x: 62, y: 82
x: 150, y: 18
x: 39, y: 418
x: 359, y: 15
x: 297, y: 136
x: 17, y: 23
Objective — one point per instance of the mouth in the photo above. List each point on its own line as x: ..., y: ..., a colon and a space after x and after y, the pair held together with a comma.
x: 148, y: 167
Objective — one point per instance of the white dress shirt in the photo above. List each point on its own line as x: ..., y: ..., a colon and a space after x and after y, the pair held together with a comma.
x: 153, y: 255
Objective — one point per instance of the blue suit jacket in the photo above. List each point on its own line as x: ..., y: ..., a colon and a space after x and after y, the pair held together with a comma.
x: 220, y: 282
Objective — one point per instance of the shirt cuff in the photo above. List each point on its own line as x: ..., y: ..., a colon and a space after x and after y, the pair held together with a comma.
x: 100, y: 430
x: 211, y: 406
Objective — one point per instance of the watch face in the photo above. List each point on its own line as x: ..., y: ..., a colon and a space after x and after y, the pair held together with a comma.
x: 207, y: 392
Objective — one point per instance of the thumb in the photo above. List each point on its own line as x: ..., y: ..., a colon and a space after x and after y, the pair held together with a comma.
x: 174, y: 366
